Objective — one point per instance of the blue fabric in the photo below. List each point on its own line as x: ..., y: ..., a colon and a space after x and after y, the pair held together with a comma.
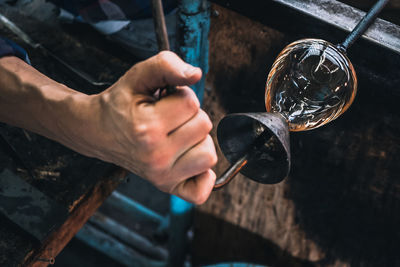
x: 9, y: 48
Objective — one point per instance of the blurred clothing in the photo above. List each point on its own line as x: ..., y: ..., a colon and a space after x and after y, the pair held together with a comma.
x: 9, y: 48
x: 126, y: 22
x: 93, y: 11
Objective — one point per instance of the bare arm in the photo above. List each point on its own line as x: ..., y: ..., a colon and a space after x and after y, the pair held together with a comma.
x: 165, y: 141
x: 32, y: 101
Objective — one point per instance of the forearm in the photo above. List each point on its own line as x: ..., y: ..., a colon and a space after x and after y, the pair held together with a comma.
x: 30, y: 100
x: 165, y: 141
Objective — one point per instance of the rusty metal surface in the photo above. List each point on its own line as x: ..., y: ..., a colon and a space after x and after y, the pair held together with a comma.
x: 345, y: 17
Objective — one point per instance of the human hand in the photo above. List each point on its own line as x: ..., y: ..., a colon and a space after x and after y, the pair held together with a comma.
x: 165, y: 141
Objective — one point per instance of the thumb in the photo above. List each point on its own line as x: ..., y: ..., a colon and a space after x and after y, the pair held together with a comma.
x: 163, y: 69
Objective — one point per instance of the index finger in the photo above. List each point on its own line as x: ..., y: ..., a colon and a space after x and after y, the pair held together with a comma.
x: 166, y: 68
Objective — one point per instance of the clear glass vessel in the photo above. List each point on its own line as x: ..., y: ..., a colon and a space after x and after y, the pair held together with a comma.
x: 311, y: 83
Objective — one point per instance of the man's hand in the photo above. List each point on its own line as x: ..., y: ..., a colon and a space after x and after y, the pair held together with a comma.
x: 166, y: 141
x: 163, y: 140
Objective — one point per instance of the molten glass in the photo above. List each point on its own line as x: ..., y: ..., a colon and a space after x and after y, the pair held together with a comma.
x: 311, y: 83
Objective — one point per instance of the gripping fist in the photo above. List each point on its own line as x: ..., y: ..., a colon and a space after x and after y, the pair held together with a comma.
x: 165, y: 141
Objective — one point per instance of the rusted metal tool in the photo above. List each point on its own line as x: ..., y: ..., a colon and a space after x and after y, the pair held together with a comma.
x: 160, y: 28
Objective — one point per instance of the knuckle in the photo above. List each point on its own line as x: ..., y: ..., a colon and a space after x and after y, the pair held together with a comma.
x: 210, y: 155
x: 150, y: 143
x: 157, y: 163
x: 149, y: 135
x: 159, y: 183
x: 166, y: 54
x: 192, y: 103
x: 162, y: 161
x: 212, y: 158
x: 164, y: 188
x: 164, y: 57
x: 140, y: 129
x: 200, y: 197
x: 207, y: 124
x: 156, y: 174
x: 202, y: 192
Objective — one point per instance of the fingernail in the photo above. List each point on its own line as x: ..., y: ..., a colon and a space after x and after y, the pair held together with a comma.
x: 190, y: 70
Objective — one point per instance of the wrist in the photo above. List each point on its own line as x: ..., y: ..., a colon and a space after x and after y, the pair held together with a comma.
x: 78, y: 124
x: 32, y: 101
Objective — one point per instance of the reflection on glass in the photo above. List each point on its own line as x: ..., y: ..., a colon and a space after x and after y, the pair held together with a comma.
x: 311, y: 83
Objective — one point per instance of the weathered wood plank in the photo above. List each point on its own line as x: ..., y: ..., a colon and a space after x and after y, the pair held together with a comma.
x: 81, y: 183
x: 83, y: 209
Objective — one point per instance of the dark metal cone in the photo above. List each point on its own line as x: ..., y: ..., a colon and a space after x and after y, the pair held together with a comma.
x: 268, y: 162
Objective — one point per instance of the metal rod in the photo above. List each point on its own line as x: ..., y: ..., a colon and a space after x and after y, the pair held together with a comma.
x: 235, y: 167
x: 134, y: 209
x: 231, y: 172
x: 17, y: 31
x: 114, y: 248
x: 363, y: 25
x: 129, y: 237
x: 160, y: 28
x: 160, y: 25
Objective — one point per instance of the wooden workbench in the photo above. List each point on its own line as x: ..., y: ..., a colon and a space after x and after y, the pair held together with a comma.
x: 78, y: 183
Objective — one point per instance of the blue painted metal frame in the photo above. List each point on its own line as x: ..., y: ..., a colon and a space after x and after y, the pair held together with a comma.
x: 114, y: 248
x: 137, y: 210
x: 194, y: 25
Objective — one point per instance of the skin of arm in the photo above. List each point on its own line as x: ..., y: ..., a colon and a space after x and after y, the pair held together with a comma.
x: 165, y: 141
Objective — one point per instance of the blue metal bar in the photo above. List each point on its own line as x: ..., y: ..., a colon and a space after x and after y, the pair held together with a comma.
x: 129, y: 237
x: 181, y: 220
x: 110, y: 246
x: 136, y: 210
x: 194, y: 25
